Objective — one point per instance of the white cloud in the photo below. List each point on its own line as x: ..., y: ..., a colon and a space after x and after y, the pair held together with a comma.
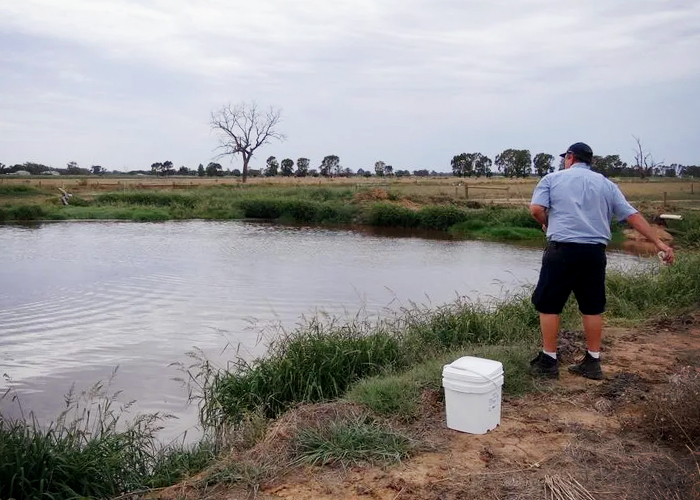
x: 425, y: 67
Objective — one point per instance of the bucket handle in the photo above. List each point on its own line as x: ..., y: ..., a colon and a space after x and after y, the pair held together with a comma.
x: 483, y: 376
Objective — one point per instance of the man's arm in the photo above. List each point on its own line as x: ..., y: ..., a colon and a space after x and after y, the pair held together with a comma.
x: 539, y: 213
x: 540, y: 202
x: 638, y: 222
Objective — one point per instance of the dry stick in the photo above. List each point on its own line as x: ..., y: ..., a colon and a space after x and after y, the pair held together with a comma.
x: 139, y: 492
x: 399, y: 493
x: 681, y: 427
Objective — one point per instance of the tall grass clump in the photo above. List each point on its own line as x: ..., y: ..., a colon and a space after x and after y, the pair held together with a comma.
x: 18, y: 190
x: 390, y: 215
x: 147, y: 198
x: 315, y: 363
x: 296, y: 210
x: 351, y: 442
x: 88, y: 452
x: 687, y: 231
x: 498, y: 223
x: 23, y: 213
x: 467, y: 323
x: 640, y: 294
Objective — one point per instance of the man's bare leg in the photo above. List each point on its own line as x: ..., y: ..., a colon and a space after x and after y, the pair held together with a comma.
x: 589, y: 366
x: 593, y: 326
x: 549, y: 324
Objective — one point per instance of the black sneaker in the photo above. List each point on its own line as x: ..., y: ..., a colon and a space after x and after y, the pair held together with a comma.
x: 589, y: 367
x: 544, y: 366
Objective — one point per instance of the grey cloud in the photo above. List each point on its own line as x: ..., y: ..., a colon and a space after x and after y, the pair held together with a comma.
x: 415, y: 80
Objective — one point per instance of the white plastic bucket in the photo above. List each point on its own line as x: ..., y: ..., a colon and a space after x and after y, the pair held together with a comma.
x: 473, y: 394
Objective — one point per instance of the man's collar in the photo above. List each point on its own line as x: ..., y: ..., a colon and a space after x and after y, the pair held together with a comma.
x: 581, y: 165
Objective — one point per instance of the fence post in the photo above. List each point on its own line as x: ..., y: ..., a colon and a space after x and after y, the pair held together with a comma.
x: 665, y: 194
x: 466, y: 191
x: 691, y: 188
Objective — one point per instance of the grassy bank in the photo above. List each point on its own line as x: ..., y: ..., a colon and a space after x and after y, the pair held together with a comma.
x: 299, y: 205
x: 321, y: 361
x: 331, y: 205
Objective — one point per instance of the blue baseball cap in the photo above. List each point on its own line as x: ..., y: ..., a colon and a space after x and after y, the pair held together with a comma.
x: 581, y: 150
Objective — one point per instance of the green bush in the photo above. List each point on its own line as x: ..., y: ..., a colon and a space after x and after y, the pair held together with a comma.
x: 336, y: 213
x: 77, y: 201
x: 25, y: 212
x: 514, y: 217
x: 18, y: 189
x: 301, y: 210
x: 635, y: 295
x: 261, y: 208
x: 687, y: 231
x: 388, y: 215
x: 441, y: 217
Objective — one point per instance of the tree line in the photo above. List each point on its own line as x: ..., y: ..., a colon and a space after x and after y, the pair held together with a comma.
x: 510, y: 163
x: 243, y: 129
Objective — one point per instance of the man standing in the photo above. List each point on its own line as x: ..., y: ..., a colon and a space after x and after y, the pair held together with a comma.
x: 575, y: 206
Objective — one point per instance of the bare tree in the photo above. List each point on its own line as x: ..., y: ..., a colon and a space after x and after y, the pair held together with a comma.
x: 644, y: 161
x: 243, y: 128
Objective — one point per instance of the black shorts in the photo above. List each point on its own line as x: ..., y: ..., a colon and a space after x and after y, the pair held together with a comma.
x: 571, y: 267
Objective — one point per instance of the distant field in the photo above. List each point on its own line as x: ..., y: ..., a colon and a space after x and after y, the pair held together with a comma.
x: 514, y: 191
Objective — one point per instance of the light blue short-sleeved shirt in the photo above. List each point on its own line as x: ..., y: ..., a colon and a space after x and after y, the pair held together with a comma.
x: 580, y: 204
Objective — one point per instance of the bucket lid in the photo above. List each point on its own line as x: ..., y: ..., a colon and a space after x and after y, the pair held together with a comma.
x: 472, y: 369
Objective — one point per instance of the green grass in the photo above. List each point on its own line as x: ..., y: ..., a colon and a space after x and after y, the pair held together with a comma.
x: 351, y: 442
x: 315, y: 364
x: 88, y: 452
x: 399, y: 394
x: 30, y: 212
x: 639, y: 295
x: 18, y: 190
x: 687, y: 231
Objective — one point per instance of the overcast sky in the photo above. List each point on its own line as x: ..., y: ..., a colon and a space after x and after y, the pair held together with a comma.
x: 126, y: 83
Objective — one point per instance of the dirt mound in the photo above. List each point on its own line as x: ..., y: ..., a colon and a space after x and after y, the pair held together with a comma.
x: 376, y: 194
x: 635, y: 242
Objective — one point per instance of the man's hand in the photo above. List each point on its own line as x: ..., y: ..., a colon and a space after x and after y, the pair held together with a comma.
x: 638, y: 222
x: 668, y: 255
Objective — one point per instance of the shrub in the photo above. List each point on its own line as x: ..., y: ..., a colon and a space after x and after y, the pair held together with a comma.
x: 25, y: 212
x: 441, y: 217
x: 386, y: 214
